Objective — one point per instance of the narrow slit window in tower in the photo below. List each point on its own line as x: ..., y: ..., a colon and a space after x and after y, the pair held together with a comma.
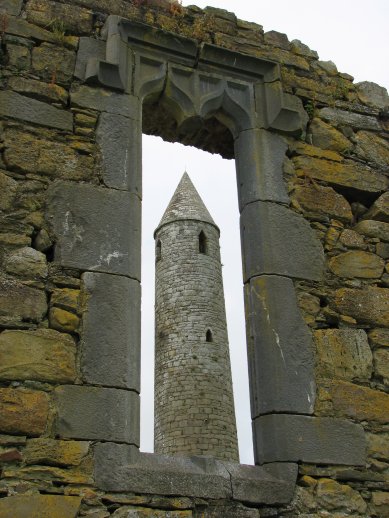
x: 202, y: 243
x: 208, y: 336
x: 158, y: 251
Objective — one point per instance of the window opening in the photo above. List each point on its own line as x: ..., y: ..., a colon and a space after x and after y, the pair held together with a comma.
x: 158, y: 251
x: 208, y: 336
x: 203, y: 243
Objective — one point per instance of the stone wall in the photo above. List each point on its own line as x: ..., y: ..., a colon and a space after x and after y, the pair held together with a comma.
x: 69, y: 377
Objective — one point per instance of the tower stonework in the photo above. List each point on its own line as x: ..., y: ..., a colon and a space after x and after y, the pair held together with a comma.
x: 194, y: 409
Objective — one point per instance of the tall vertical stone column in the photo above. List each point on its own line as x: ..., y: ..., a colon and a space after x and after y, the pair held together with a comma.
x: 194, y: 409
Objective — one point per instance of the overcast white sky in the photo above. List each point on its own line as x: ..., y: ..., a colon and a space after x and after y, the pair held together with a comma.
x: 354, y: 35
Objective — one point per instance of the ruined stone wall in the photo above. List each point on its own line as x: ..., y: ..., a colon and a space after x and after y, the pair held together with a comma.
x: 56, y: 391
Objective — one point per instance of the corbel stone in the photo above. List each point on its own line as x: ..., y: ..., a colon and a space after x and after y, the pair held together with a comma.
x: 280, y: 349
x: 316, y: 440
x: 149, y: 77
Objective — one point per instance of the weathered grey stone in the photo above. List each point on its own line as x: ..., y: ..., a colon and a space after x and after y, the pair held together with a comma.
x: 381, y: 363
x: 41, y: 90
x: 379, y: 337
x: 276, y: 240
x: 44, y: 12
x: 8, y: 188
x: 12, y: 7
x: 259, y: 158
x: 334, y: 496
x: 97, y: 229
x: 34, y: 506
x: 27, y: 262
x: 280, y: 350
x: 327, y: 137
x: 120, y: 140
x: 120, y: 467
x: 53, y: 63
x: 368, y: 306
x: 380, y: 209
x: 20, y: 27
x: 96, y: 413
x: 250, y: 483
x: 298, y: 47
x: 24, y: 108
x: 111, y: 331
x: 323, y: 201
x: 106, y: 101
x: 88, y: 48
x: 43, y: 355
x: 372, y: 94
x: 20, y: 303
x: 329, y: 67
x: 278, y: 39
x: 320, y: 440
x: 355, y: 120
x: 343, y: 353
x: 357, y: 263
x: 373, y: 228
x: 372, y: 148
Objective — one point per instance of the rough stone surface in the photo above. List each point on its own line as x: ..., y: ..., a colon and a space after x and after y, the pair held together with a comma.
x: 380, y: 209
x: 24, y: 108
x: 43, y: 12
x: 53, y: 63
x: 19, y: 303
x: 334, y: 496
x: 343, y: 353
x: 64, y: 321
x: 106, y: 101
x: 345, y: 174
x: 372, y: 148
x: 40, y: 506
x: 8, y: 188
x: 12, y: 7
x: 40, y: 90
x: 360, y: 403
x: 120, y: 142
x: 372, y: 94
x: 96, y: 413
x: 43, y: 355
x: 379, y: 337
x: 378, y: 445
x: 27, y: 262
x: 89, y: 234
x: 371, y: 228
x: 327, y: 137
x: 295, y: 438
x: 260, y: 155
x: 25, y: 153
x: 276, y: 240
x: 111, y: 331
x: 380, y: 502
x: 280, y: 349
x: 367, y: 306
x: 322, y: 201
x: 381, y: 363
x: 56, y: 453
x: 355, y: 120
x: 23, y: 411
x: 358, y: 264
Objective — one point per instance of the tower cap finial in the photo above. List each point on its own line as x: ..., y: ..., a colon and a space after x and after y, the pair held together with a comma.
x: 186, y: 204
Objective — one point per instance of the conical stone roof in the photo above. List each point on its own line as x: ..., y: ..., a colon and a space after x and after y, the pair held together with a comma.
x: 186, y: 204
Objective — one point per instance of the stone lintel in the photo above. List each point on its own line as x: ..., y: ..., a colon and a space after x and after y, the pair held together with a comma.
x: 300, y: 438
x: 276, y: 240
x: 111, y: 331
x: 280, y: 349
x: 97, y: 413
x: 120, y: 467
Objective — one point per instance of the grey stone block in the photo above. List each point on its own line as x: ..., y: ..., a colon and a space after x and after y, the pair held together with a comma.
x: 259, y: 158
x: 276, y: 240
x: 258, y: 484
x: 111, y: 331
x: 24, y: 108
x: 96, y: 413
x: 280, y: 349
x: 355, y: 120
x: 96, y: 229
x: 88, y: 48
x: 106, y: 101
x: 317, y: 440
x: 121, y: 467
x: 120, y: 141
x: 12, y: 7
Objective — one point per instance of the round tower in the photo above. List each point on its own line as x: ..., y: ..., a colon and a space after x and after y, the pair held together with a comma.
x: 194, y: 408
